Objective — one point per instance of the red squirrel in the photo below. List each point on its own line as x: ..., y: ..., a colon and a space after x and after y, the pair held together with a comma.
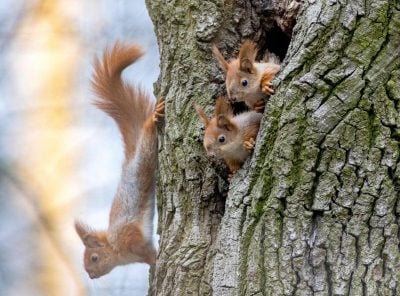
x: 228, y: 136
x: 128, y: 238
x: 247, y: 80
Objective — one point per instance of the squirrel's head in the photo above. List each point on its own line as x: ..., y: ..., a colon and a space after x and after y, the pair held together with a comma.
x: 241, y: 74
x: 99, y: 258
x: 220, y: 129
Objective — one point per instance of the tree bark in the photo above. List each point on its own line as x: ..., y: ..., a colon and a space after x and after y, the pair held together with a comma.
x: 315, y: 210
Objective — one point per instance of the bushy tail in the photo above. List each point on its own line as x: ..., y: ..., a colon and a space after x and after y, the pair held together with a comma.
x: 128, y: 105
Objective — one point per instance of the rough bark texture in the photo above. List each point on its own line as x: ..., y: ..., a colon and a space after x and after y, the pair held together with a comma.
x: 315, y: 211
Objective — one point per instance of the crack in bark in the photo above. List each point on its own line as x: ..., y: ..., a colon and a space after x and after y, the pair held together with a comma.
x: 269, y: 218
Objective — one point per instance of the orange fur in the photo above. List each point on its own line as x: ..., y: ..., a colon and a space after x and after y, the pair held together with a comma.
x: 202, y: 115
x: 247, y: 57
x: 235, y: 130
x: 233, y: 165
x: 118, y: 99
x: 247, y: 80
x: 220, y: 58
x: 222, y: 107
x: 128, y: 237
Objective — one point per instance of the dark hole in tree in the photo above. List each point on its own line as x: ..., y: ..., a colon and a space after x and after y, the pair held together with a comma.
x: 239, y: 107
x: 276, y: 41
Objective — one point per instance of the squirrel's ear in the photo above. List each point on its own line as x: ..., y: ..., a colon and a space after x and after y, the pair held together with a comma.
x: 224, y: 123
x: 247, y: 57
x: 92, y: 240
x: 89, y: 238
x: 222, y: 107
x: 220, y: 58
x: 202, y: 115
x: 81, y: 229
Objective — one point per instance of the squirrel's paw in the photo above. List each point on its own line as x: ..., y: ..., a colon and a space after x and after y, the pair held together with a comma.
x: 266, y: 84
x: 249, y: 145
x: 231, y: 174
x: 259, y: 106
x: 266, y: 87
x: 159, y: 111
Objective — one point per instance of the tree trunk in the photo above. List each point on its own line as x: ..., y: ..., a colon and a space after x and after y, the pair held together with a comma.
x: 315, y: 210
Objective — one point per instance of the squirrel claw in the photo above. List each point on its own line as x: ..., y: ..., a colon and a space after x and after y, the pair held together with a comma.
x: 267, y: 89
x: 159, y: 110
x: 249, y: 145
x: 266, y: 85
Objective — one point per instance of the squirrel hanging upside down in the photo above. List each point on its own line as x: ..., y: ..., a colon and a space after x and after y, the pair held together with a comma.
x: 128, y: 238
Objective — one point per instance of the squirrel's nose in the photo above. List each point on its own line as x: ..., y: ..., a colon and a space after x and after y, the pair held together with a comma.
x: 92, y: 274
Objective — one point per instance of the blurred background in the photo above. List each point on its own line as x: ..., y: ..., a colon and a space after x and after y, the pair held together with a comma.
x: 60, y: 157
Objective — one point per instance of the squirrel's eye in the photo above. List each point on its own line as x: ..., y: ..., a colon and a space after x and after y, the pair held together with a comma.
x: 244, y: 82
x: 94, y: 258
x: 221, y: 139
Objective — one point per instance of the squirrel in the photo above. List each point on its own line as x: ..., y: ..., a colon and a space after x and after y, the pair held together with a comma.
x: 128, y: 238
x: 228, y: 136
x: 248, y: 80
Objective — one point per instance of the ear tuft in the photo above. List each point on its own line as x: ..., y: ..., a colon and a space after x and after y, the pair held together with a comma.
x: 89, y: 238
x: 82, y: 229
x: 202, y: 115
x: 220, y: 58
x: 93, y: 240
x: 247, y: 56
x: 223, y: 122
x: 222, y: 107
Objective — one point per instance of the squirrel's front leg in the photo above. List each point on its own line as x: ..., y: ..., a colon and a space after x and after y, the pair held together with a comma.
x: 155, y: 117
x: 249, y: 144
x: 266, y: 84
x: 259, y: 106
x: 233, y: 166
x: 159, y: 110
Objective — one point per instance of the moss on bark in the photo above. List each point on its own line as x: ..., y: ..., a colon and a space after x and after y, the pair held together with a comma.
x: 315, y: 211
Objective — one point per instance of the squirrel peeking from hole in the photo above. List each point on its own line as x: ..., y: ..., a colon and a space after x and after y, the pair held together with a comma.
x: 232, y: 137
